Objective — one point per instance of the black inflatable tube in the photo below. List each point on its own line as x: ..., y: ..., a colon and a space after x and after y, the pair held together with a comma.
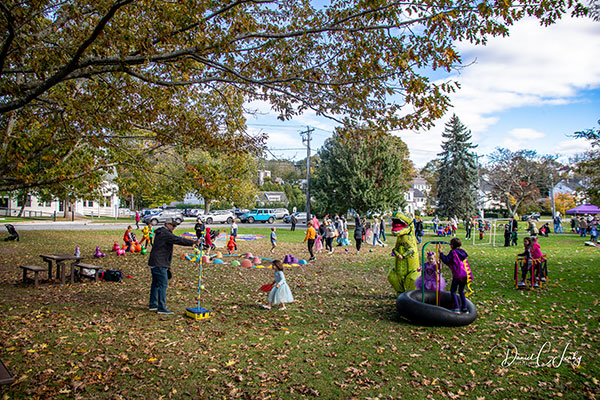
x: 410, y: 306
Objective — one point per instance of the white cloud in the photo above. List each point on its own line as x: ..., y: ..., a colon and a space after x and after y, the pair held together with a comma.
x: 534, y: 66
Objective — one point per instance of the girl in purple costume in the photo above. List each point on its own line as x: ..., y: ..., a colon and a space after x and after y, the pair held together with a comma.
x: 454, y: 260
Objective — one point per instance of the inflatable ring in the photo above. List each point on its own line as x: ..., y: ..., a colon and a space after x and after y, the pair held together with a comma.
x: 410, y: 306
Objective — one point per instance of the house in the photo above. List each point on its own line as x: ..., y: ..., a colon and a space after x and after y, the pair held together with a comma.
x: 106, y: 206
x: 417, y: 195
x: 415, y: 200
x: 264, y: 198
x: 262, y: 174
x: 573, y: 186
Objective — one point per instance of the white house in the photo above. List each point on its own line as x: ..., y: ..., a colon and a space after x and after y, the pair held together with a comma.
x: 573, y: 186
x: 416, y: 197
x: 106, y: 206
x: 271, y: 197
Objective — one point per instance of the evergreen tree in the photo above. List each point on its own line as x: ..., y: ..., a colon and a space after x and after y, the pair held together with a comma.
x: 457, y: 181
x: 365, y: 172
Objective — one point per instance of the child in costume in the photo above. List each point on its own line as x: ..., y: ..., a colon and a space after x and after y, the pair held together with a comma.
x: 431, y: 277
x: 128, y: 238
x: 231, y: 244
x: 539, y: 259
x: 594, y: 234
x: 273, y: 239
x: 526, y: 266
x: 457, y: 260
x: 146, y: 235
x: 208, y: 240
x: 280, y: 293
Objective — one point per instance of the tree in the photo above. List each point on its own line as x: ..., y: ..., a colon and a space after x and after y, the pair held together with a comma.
x: 83, y: 77
x: 457, y: 173
x: 562, y: 203
x: 589, y: 163
x: 222, y: 177
x: 365, y: 172
x: 516, y: 177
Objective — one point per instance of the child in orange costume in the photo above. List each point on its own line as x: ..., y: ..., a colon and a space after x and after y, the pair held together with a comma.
x: 231, y: 244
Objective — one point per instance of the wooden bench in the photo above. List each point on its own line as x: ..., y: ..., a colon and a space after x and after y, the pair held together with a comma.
x: 36, y: 271
x: 81, y: 267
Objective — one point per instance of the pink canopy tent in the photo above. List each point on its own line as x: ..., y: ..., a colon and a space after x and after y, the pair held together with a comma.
x: 584, y: 209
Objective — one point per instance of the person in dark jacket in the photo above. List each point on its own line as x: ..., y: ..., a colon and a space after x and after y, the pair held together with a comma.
x: 199, y: 228
x: 160, y: 264
x: 293, y: 220
x: 359, y: 232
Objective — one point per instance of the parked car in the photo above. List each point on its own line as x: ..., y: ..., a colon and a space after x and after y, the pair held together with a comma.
x: 191, y: 212
x: 240, y: 211
x: 300, y: 216
x: 281, y: 213
x: 535, y: 216
x: 218, y: 216
x: 261, y: 214
x: 162, y: 216
x: 150, y: 211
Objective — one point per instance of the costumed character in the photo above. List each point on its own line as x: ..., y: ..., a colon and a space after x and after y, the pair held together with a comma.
x: 405, y: 272
x: 231, y: 244
x: 431, y: 275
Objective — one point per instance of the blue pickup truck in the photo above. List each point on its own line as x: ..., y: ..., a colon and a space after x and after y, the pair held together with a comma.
x: 262, y: 214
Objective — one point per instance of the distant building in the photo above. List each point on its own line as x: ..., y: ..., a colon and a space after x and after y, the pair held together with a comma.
x: 108, y: 205
x: 265, y: 198
x: 573, y: 186
x: 262, y: 174
x: 417, y: 195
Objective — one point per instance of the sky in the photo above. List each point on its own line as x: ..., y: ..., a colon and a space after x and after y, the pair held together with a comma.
x: 530, y: 90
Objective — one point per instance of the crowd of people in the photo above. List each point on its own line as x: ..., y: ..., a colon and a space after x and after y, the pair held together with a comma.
x: 333, y: 232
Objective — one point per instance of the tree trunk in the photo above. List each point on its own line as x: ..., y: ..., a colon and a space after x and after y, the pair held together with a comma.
x: 66, y: 208
x: 131, y: 202
x: 23, y: 202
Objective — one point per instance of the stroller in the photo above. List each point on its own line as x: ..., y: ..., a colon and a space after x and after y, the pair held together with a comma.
x: 13, y: 233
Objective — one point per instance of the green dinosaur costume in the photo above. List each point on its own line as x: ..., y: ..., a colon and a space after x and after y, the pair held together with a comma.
x: 405, y: 272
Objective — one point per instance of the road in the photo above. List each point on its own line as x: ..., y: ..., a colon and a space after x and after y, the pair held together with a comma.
x: 88, y: 225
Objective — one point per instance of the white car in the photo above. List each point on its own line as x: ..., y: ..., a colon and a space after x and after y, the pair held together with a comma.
x: 281, y: 213
x: 219, y: 216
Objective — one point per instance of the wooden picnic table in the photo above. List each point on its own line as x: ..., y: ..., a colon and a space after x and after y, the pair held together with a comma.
x: 60, y: 259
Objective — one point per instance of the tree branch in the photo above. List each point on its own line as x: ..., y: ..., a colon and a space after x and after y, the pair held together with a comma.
x: 11, y: 34
x: 73, y: 64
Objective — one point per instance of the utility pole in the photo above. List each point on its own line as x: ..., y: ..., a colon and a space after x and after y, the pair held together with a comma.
x: 552, y: 196
x: 306, y: 139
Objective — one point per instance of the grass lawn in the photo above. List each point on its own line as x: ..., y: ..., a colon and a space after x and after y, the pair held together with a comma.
x: 341, y: 338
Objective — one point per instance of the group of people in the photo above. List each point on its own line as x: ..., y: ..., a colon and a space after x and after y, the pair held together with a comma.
x: 147, y: 236
x: 511, y: 233
x: 586, y: 225
x: 321, y: 235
